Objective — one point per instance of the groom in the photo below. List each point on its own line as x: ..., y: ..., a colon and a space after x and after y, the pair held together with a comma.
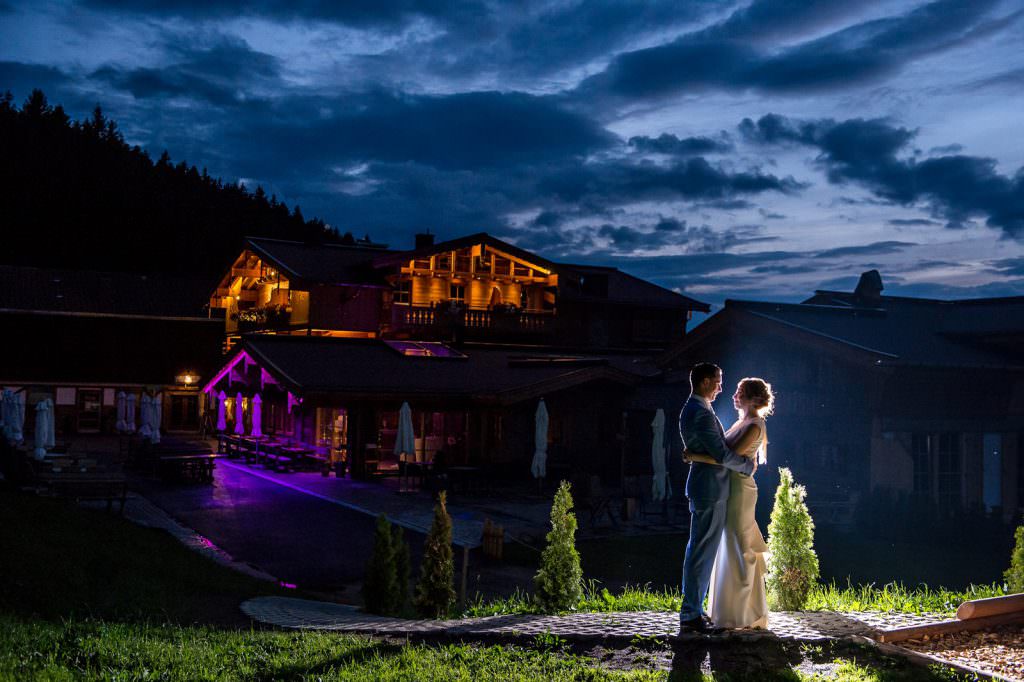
x: 707, y: 488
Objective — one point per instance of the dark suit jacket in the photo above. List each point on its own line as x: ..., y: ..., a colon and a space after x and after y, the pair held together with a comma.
x: 702, y: 432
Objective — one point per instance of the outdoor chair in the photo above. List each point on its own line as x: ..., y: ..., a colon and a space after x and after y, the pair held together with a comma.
x: 589, y: 495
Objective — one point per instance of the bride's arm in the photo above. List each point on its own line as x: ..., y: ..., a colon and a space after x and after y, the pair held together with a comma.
x: 699, y: 457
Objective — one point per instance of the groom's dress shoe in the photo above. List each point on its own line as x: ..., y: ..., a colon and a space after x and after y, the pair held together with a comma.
x: 698, y: 624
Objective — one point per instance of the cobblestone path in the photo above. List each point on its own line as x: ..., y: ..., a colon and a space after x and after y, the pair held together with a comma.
x: 620, y: 626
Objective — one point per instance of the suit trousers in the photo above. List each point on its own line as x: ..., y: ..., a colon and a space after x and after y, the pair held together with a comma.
x: 707, y: 521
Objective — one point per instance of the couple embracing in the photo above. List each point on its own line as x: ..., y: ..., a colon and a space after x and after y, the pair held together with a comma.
x: 726, y: 550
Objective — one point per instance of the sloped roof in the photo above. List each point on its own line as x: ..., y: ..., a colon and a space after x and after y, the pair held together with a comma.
x: 319, y: 263
x: 890, y: 330
x: 626, y: 288
x: 107, y: 293
x: 368, y: 366
x: 399, y: 257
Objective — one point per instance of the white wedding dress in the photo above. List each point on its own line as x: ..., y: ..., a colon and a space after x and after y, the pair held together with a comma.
x: 738, y: 597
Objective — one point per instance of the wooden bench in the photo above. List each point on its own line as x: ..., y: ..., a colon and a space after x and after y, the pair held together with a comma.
x: 94, y: 485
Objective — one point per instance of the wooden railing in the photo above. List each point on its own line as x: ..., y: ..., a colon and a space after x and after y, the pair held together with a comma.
x: 515, y: 321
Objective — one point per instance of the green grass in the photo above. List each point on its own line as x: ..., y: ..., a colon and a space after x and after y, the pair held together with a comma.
x: 94, y: 650
x: 890, y: 598
x: 58, y: 560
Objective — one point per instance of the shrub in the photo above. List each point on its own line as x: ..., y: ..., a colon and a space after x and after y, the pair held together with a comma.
x: 559, y: 582
x: 400, y: 550
x: 435, y: 594
x: 1014, y: 575
x: 792, y: 562
x: 380, y: 585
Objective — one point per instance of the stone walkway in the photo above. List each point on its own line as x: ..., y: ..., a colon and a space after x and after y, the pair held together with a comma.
x: 619, y: 627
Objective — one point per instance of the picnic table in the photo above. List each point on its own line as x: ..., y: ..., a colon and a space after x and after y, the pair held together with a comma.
x: 87, y: 485
x: 188, y: 467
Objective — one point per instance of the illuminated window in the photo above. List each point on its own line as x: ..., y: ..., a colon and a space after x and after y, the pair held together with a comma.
x: 424, y: 349
x: 403, y: 291
x: 457, y: 292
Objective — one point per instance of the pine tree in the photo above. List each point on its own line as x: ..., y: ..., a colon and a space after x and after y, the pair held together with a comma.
x: 400, y: 550
x: 380, y: 585
x: 559, y: 582
x: 435, y: 593
x: 792, y: 562
x: 1014, y: 575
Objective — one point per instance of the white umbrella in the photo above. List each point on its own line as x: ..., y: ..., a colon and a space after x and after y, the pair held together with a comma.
x: 239, y: 416
x: 146, y: 416
x: 44, y: 427
x: 122, y: 412
x: 158, y: 414
x: 129, y: 414
x: 539, y: 468
x: 405, y: 439
x: 222, y: 417
x: 660, y: 488
x: 15, y: 419
x: 6, y: 412
x: 257, y: 416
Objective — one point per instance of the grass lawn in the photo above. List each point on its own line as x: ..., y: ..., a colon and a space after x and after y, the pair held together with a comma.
x: 87, y: 595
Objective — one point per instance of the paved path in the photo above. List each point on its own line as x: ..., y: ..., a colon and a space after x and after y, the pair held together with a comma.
x: 607, y: 627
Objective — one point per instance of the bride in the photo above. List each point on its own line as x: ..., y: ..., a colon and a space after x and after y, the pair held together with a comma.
x: 737, y: 598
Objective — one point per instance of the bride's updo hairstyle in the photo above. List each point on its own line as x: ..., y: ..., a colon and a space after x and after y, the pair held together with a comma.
x: 759, y: 393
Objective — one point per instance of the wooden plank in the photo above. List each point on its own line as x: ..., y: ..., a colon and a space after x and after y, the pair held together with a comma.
x: 979, y: 608
x: 921, y: 631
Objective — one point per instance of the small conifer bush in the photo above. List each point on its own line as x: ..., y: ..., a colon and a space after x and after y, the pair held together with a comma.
x: 1014, y: 575
x: 559, y: 582
x: 435, y: 593
x: 400, y: 550
x: 380, y: 586
x: 792, y: 562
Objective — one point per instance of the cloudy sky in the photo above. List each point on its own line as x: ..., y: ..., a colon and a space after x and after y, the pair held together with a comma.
x: 757, y: 149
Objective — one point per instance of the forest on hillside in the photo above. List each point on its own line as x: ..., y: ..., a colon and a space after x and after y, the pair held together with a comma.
x: 74, y: 194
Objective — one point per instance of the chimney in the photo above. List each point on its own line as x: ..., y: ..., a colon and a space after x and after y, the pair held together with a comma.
x: 869, y: 288
x: 424, y: 240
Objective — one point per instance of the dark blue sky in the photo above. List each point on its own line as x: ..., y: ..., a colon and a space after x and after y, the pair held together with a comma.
x: 750, y: 150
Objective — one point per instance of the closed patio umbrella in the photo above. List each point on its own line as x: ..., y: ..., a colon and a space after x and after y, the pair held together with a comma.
x: 129, y: 415
x: 158, y: 415
x: 539, y: 468
x: 44, y: 428
x: 257, y: 416
x: 660, y: 489
x: 405, y: 439
x: 146, y: 416
x: 122, y: 412
x: 222, y: 412
x: 14, y: 422
x: 239, y: 416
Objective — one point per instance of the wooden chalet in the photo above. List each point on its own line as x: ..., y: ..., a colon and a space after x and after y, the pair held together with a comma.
x: 475, y: 288
x: 916, y: 397
x: 471, y: 332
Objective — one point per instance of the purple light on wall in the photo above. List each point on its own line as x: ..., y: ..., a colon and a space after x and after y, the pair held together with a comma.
x: 293, y: 401
x: 227, y: 368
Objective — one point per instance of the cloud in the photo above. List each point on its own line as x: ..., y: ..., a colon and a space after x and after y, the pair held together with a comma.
x: 727, y: 56
x: 381, y: 13
x: 911, y: 222
x: 674, y: 146
x: 956, y: 187
x: 1009, y: 267
x: 874, y: 249
x: 222, y: 73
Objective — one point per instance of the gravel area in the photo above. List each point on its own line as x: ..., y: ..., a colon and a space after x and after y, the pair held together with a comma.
x: 999, y: 650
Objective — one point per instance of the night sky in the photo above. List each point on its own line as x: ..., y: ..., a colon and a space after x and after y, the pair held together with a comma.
x: 728, y: 150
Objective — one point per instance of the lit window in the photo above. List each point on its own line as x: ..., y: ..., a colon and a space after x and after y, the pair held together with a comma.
x: 457, y: 292
x: 403, y: 291
x: 423, y: 349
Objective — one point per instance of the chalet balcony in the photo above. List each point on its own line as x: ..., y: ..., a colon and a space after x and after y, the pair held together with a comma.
x: 499, y: 322
x: 268, y: 318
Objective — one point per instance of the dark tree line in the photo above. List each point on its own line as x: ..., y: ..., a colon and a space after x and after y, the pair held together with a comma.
x: 74, y: 194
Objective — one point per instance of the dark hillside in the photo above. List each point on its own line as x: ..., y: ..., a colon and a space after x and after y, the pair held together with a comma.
x: 75, y: 195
